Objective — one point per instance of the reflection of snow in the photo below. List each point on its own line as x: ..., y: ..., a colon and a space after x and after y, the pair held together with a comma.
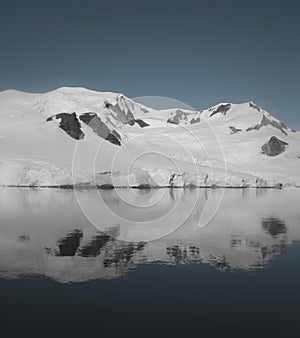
x: 44, y: 232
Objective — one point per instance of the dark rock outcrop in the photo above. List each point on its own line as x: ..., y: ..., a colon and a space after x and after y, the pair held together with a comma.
x: 174, y: 120
x: 142, y: 186
x: 70, y: 124
x: 113, y: 139
x: 266, y: 122
x: 193, y: 121
x: 140, y: 122
x: 222, y: 109
x: 274, y: 147
x: 122, y: 115
x: 234, y: 130
x: 100, y: 128
x: 179, y: 116
x: 105, y: 186
x: 116, y: 134
x: 254, y: 106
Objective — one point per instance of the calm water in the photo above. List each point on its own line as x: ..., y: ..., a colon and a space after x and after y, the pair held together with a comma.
x: 138, y: 271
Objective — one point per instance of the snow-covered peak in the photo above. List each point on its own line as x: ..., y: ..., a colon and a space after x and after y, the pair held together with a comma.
x: 46, y: 127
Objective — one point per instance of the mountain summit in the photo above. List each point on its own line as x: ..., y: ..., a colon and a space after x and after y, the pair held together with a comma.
x: 75, y: 136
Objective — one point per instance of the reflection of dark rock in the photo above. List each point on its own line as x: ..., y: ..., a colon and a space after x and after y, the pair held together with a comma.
x: 274, y: 226
x: 100, y: 128
x: 222, y: 109
x: 93, y: 248
x: 194, y: 251
x: 183, y: 254
x: 123, y: 255
x: 24, y: 238
x: 69, y: 244
x: 274, y: 147
x: 220, y: 262
x: 266, y: 122
x: 253, y: 244
x: 235, y: 242
x: 179, y: 254
x: 279, y: 248
x: 70, y: 124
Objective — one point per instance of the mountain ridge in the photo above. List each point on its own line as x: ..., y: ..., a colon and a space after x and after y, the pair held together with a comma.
x: 194, y: 147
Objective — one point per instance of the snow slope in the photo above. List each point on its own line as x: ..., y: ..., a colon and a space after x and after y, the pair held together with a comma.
x: 75, y: 136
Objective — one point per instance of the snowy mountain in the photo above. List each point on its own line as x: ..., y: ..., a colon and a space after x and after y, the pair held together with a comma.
x: 75, y: 136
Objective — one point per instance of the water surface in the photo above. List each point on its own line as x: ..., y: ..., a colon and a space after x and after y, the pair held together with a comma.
x: 61, y: 276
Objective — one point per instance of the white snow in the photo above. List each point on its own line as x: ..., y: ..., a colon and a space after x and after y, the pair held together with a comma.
x: 34, y: 152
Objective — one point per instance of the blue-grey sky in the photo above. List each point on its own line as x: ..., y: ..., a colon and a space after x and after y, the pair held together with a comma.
x: 199, y: 52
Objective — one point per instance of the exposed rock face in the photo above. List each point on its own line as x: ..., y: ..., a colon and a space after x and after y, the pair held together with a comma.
x: 234, y: 130
x: 254, y: 106
x: 274, y: 147
x: 113, y: 139
x: 179, y: 115
x: 222, y: 109
x: 265, y: 122
x: 173, y: 120
x: 193, y: 121
x: 175, y: 180
x: 100, y: 128
x: 70, y: 124
x: 123, y: 109
x: 140, y: 122
x: 116, y: 134
x: 121, y: 115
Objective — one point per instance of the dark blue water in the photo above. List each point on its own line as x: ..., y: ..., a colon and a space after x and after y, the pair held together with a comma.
x: 61, y: 277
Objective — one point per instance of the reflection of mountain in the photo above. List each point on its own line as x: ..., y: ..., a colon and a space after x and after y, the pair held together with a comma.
x: 93, y: 248
x: 247, y: 232
x: 69, y: 244
x: 113, y: 253
x: 274, y: 226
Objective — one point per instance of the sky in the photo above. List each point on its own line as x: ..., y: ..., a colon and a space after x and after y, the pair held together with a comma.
x: 198, y: 52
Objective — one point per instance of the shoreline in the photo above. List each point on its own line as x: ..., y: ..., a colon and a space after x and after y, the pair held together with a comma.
x: 103, y: 188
